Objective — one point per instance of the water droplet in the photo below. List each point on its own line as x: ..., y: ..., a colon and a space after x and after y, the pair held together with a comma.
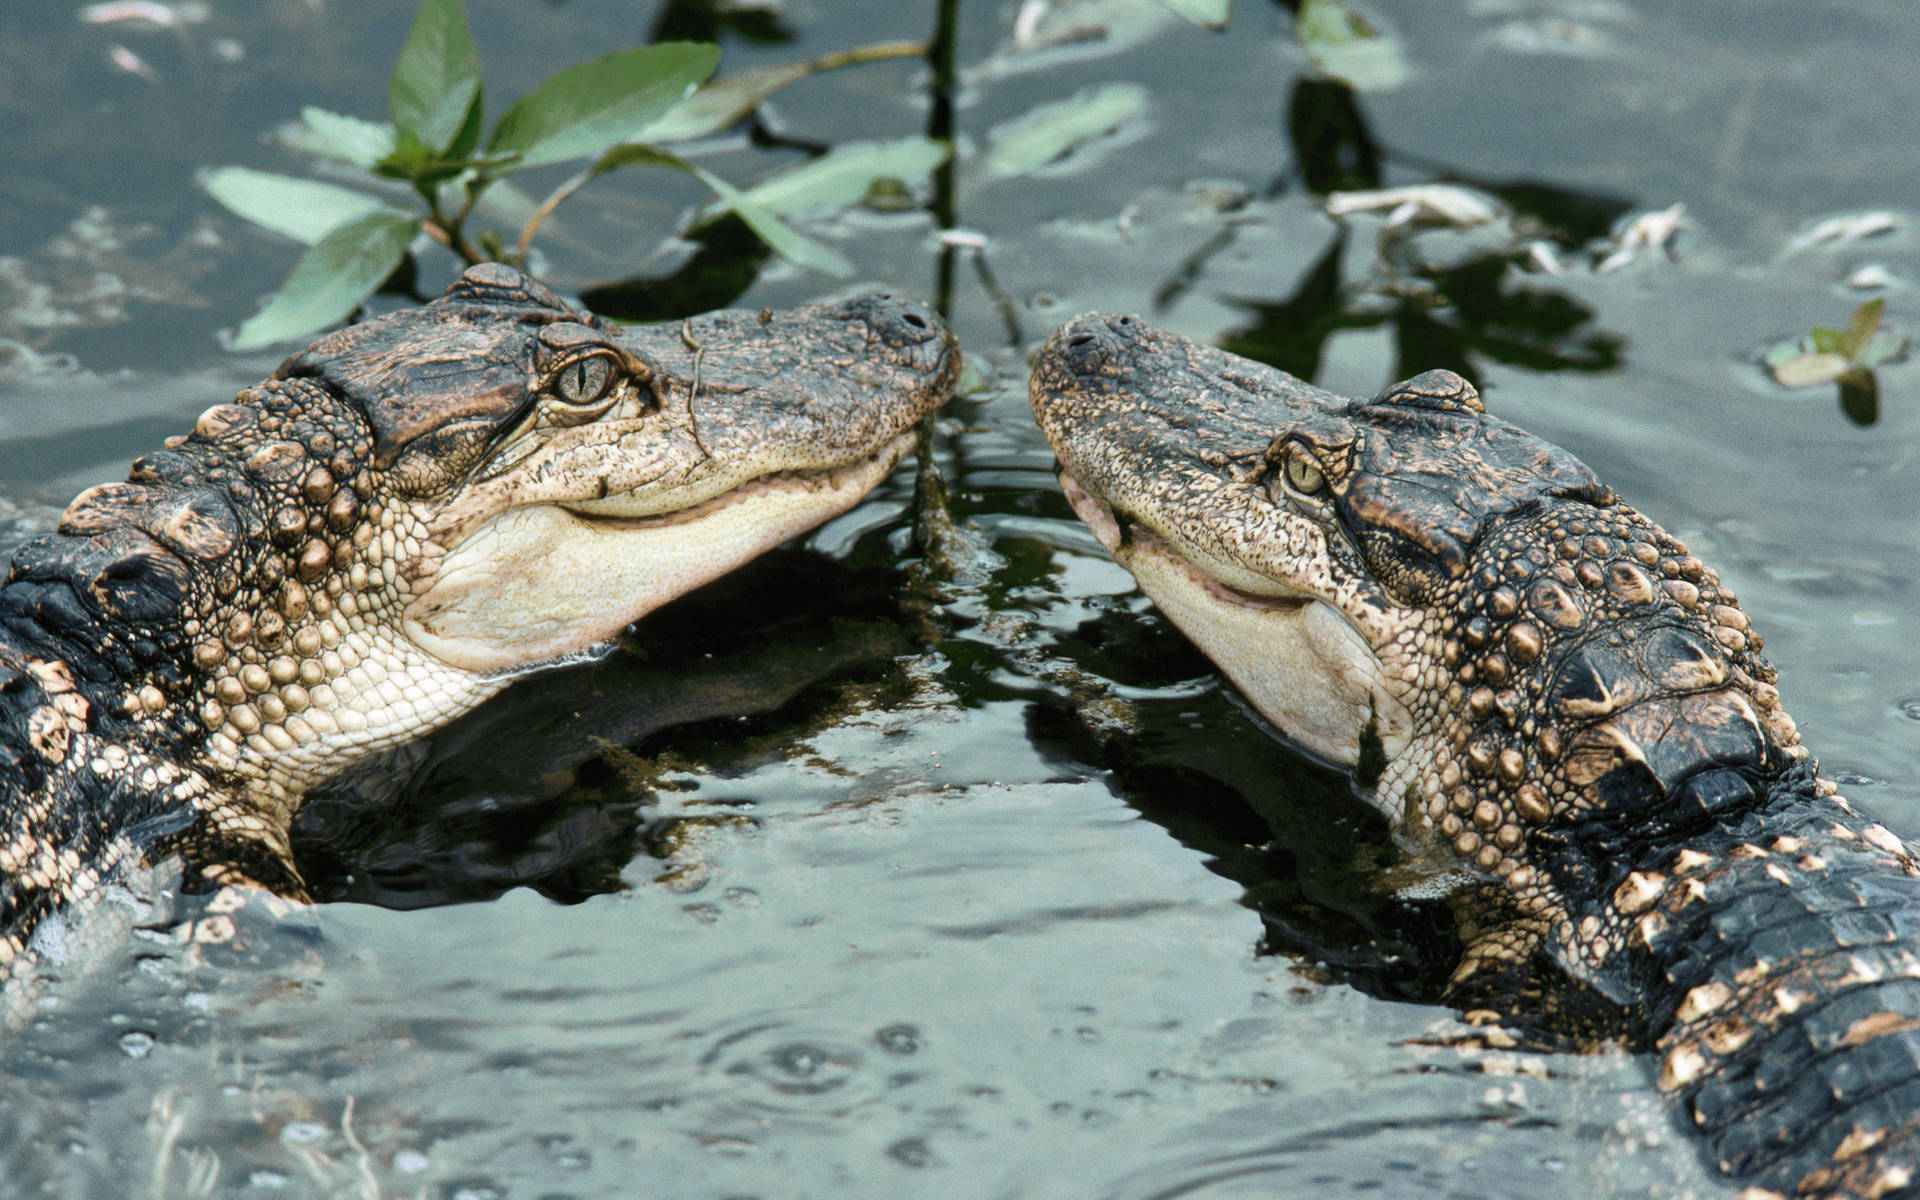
x: 477, y: 1191
x: 268, y: 1180
x: 1909, y: 708
x: 301, y: 1132
x: 137, y: 1044
x: 898, y: 1039
x: 799, y: 1061
x: 410, y: 1162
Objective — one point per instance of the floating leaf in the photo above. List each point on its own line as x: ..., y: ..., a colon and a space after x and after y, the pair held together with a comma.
x: 1861, y: 326
x: 303, y: 209
x: 344, y: 139
x: 721, y: 102
x: 435, y: 91
x: 787, y: 242
x: 1212, y: 14
x: 586, y: 109
x: 845, y: 175
x: 1345, y: 45
x: 332, y: 279
x: 1883, y: 347
x: 1810, y: 368
x: 1029, y: 142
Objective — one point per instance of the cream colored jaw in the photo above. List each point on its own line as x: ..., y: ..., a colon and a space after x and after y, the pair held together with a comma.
x: 542, y: 583
x: 1297, y: 658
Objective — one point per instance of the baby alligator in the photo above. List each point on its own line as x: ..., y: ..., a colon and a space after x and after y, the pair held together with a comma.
x: 1563, y: 714
x: 407, y: 515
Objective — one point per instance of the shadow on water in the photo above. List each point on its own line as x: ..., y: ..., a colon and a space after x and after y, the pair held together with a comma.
x: 546, y: 786
x: 1475, y: 302
x: 1308, y: 853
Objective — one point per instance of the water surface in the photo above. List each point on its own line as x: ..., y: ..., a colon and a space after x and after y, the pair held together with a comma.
x: 1000, y: 893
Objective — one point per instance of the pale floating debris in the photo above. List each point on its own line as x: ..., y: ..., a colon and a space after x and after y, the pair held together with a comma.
x: 1571, y: 39
x: 1811, y: 369
x: 963, y: 239
x: 1874, y: 275
x: 1648, y: 231
x: 1542, y: 257
x: 1028, y: 22
x: 1431, y: 203
x: 163, y: 15
x: 132, y: 63
x: 1849, y: 228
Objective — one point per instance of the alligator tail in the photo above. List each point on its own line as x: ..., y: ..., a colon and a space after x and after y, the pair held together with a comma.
x: 1789, y: 1024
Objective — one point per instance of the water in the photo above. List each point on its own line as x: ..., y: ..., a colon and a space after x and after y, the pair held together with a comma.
x: 844, y: 912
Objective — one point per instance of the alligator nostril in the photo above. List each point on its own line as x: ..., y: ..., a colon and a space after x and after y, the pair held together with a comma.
x: 1075, y: 341
x: 916, y: 320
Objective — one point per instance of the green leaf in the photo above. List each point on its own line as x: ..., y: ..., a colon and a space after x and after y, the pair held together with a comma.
x: 436, y: 82
x: 331, y: 279
x: 303, y: 209
x: 1029, y: 142
x: 1861, y: 326
x: 324, y: 134
x: 1212, y: 14
x: 786, y: 241
x: 721, y: 102
x: 844, y: 176
x: 1827, y: 341
x: 1345, y: 45
x: 585, y: 109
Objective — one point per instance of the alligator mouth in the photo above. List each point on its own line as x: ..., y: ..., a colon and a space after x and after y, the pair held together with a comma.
x: 1295, y: 656
x: 857, y: 477
x: 1125, y: 537
x: 550, y: 582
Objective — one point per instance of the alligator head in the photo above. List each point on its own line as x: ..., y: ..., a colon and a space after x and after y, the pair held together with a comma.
x: 1496, y: 645
x: 419, y: 507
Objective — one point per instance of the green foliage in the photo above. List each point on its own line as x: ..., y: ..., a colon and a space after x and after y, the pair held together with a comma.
x: 1049, y: 132
x: 1845, y: 356
x: 588, y: 109
x: 332, y: 279
x: 607, y: 113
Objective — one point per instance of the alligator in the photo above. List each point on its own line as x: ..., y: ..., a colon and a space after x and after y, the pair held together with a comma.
x: 409, y: 514
x: 1563, y: 715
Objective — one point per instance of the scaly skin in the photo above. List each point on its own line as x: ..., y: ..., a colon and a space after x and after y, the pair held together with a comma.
x: 1565, y: 716
x: 408, y: 514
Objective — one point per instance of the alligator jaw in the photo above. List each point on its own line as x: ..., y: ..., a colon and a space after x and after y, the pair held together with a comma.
x: 543, y: 584
x: 1295, y: 657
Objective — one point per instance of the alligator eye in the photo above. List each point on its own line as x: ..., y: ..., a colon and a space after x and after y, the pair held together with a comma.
x: 1303, y: 476
x: 584, y: 381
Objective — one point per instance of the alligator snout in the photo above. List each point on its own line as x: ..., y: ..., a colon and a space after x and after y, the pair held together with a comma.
x: 897, y: 321
x: 1089, y: 344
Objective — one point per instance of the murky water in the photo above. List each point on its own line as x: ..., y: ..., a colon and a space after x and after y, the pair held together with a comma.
x: 786, y: 899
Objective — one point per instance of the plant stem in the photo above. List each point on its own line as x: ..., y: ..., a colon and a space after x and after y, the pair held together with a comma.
x: 545, y: 210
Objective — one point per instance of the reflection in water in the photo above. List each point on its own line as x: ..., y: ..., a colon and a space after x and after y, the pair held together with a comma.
x: 1453, y: 308
x: 543, y: 787
x: 710, y: 20
x: 725, y: 262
